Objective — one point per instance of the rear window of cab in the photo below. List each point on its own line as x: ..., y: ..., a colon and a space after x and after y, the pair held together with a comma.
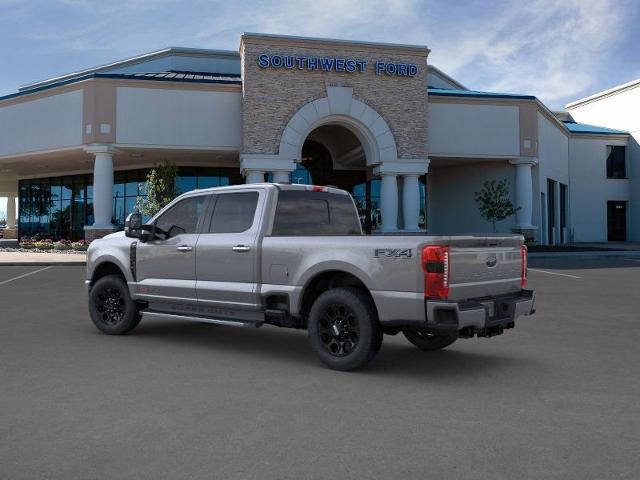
x: 305, y: 213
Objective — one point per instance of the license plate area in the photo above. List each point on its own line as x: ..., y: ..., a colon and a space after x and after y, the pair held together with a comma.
x: 490, y: 307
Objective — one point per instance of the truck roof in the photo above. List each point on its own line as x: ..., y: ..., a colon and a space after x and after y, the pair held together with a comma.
x: 280, y: 186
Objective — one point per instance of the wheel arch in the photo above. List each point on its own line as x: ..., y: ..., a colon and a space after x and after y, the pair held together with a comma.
x: 107, y: 267
x: 327, y: 280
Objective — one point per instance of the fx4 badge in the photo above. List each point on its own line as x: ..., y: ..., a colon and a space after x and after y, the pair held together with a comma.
x: 392, y: 252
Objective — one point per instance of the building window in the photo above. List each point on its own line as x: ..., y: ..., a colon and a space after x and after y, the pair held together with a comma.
x: 616, y: 161
x: 60, y: 207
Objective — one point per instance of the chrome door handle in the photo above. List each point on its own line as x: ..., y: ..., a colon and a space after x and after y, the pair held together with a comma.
x: 184, y: 248
x: 241, y: 248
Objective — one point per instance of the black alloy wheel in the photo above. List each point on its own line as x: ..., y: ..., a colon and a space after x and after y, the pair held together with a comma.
x: 112, y: 309
x: 110, y: 306
x: 343, y: 328
x: 339, y: 330
x: 429, y: 341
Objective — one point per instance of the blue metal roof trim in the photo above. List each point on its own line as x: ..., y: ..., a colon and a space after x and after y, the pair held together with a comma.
x: 575, y: 127
x: 228, y: 79
x: 444, y: 92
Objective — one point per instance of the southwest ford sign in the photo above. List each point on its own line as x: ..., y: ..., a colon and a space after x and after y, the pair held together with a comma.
x: 331, y: 64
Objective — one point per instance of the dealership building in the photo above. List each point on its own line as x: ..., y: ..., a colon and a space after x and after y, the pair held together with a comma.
x: 410, y: 143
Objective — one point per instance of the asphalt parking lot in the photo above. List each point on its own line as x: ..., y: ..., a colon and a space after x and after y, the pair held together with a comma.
x: 557, y: 397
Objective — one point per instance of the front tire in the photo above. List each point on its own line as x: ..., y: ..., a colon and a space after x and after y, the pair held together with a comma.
x: 343, y: 329
x: 111, y: 308
x: 428, y: 341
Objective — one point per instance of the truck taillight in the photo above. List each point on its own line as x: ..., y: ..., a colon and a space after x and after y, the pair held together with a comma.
x: 523, y: 271
x: 435, y: 265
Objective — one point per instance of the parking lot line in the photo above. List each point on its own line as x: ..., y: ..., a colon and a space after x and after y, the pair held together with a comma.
x: 553, y: 273
x: 25, y: 275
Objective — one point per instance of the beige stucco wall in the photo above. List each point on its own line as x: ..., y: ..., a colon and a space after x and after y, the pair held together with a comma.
x: 50, y: 122
x: 272, y: 96
x: 459, y: 129
x: 452, y: 190
x: 178, y: 117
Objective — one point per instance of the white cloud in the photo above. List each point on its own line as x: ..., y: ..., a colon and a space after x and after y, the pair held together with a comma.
x: 548, y: 48
x: 554, y: 49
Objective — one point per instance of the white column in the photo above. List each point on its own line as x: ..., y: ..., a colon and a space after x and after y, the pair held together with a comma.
x: 389, y: 202
x: 254, y: 166
x: 254, y: 176
x: 411, y: 201
x: 281, y: 177
x: 524, y: 192
x: 102, y: 186
x: 11, y: 211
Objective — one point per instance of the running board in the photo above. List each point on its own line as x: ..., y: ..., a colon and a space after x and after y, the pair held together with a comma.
x: 155, y: 315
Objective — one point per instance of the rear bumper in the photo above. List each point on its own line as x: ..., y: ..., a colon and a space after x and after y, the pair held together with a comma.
x: 484, y: 317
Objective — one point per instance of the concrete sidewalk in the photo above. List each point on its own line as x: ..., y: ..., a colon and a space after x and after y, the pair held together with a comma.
x: 591, y: 253
x: 37, y: 259
x: 614, y: 245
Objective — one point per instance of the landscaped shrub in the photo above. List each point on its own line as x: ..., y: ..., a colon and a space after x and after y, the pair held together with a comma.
x: 40, y: 243
x: 62, y: 245
x: 43, y: 245
x: 26, y: 242
x: 81, y: 245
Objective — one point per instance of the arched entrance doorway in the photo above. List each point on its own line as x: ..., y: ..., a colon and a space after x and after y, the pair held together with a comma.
x: 333, y: 155
x: 339, y: 140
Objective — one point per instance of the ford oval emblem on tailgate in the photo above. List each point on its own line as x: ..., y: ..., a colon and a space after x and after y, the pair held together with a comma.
x: 492, y: 260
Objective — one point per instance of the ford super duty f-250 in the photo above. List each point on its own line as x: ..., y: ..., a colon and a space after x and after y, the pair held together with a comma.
x: 295, y: 256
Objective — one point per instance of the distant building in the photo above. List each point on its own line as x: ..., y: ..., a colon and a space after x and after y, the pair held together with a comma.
x: 411, y: 143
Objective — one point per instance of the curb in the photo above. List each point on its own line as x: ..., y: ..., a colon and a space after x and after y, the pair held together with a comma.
x: 612, y: 254
x: 72, y: 263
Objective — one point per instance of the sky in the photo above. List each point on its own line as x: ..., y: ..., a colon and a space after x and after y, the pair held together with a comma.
x: 558, y: 50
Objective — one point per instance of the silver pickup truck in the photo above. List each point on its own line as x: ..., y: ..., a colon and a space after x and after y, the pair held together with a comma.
x: 295, y: 256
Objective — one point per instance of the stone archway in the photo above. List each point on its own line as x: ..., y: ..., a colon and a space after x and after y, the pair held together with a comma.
x: 340, y: 108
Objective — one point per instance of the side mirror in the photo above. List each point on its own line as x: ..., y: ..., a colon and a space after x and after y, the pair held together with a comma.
x: 133, y: 225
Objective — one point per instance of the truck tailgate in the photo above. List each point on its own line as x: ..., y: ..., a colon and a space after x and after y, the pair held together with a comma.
x: 484, y: 267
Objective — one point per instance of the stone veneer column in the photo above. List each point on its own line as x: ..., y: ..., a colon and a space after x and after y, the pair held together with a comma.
x: 102, y: 191
x: 524, y: 192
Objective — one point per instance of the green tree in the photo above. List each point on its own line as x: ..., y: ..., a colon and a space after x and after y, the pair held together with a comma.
x: 494, y: 203
x: 161, y: 189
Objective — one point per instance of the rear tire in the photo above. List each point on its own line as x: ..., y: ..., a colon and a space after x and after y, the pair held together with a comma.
x: 112, y: 309
x: 427, y: 341
x: 343, y: 329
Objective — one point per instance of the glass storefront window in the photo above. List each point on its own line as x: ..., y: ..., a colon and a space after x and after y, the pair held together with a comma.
x: 301, y: 175
x: 90, y: 186
x: 208, y: 182
x: 60, y: 207
x: 118, y: 184
x: 186, y: 183
x: 67, y: 188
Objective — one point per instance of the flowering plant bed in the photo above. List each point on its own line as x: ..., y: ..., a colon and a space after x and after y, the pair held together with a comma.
x: 46, y: 250
x: 47, y: 245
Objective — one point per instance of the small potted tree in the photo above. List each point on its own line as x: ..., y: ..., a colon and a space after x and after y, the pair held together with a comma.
x: 161, y: 189
x: 494, y: 203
